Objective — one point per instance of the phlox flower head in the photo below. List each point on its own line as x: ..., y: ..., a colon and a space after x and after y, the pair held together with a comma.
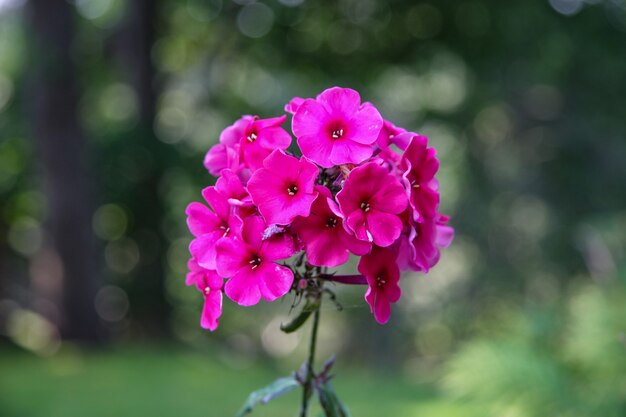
x: 355, y: 186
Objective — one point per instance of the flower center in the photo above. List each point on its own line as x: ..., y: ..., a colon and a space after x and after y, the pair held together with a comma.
x: 292, y: 190
x: 331, y: 223
x: 365, y: 206
x: 414, y: 184
x: 255, y: 261
x: 337, y: 133
x: 226, y: 229
x: 251, y: 137
x: 336, y: 129
x: 207, y: 290
x: 380, y: 281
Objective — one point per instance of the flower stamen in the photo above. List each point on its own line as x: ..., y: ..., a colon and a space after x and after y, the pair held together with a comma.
x: 251, y: 137
x: 255, y: 261
x: 337, y: 133
x: 380, y: 281
x: 292, y: 190
x: 365, y: 206
x: 207, y: 290
x: 331, y: 223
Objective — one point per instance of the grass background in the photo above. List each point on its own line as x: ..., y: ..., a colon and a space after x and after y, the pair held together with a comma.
x: 148, y: 381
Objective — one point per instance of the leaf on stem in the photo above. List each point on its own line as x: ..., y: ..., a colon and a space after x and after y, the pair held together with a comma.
x: 330, y: 403
x: 268, y: 393
x: 301, y: 318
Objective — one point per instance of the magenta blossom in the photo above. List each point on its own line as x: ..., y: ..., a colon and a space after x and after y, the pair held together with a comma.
x: 284, y: 188
x: 335, y: 129
x: 420, y: 164
x: 420, y: 249
x: 209, y: 224
x: 230, y: 186
x: 382, y: 274
x: 326, y: 241
x: 210, y: 284
x: 370, y: 201
x: 250, y: 263
x: 260, y: 138
x: 226, y: 154
x: 221, y: 157
x: 363, y: 187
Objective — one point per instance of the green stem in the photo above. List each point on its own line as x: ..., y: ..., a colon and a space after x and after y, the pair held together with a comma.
x: 307, y: 389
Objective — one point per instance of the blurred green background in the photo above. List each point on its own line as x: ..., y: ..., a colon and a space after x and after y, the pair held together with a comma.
x: 107, y: 108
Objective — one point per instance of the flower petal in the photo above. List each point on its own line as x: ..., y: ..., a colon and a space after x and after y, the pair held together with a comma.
x: 340, y: 101
x: 356, y: 222
x: 201, y: 220
x: 279, y: 246
x: 327, y: 249
x: 274, y: 138
x: 317, y: 147
x: 243, y: 287
x: 391, y: 197
x: 275, y: 280
x: 345, y: 151
x: 212, y: 310
x: 231, y: 256
x: 366, y: 125
x: 218, y: 202
x: 310, y: 119
x: 384, y: 227
x: 382, y: 309
x: 203, y: 249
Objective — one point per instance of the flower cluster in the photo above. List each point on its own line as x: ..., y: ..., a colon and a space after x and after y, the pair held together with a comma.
x: 362, y: 187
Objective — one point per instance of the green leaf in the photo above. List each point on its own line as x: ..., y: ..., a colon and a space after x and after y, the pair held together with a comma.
x: 330, y: 403
x: 268, y: 393
x: 301, y: 318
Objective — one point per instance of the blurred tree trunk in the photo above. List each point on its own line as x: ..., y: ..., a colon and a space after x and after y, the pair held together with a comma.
x: 64, y: 159
x: 133, y: 50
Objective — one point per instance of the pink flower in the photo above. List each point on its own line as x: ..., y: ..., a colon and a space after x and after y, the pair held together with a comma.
x: 233, y: 134
x: 420, y: 249
x: 210, y: 284
x: 335, y: 129
x: 284, y: 188
x: 420, y: 164
x: 209, y: 224
x: 382, y: 274
x: 250, y: 262
x: 260, y: 138
x: 371, y: 200
x: 230, y: 186
x: 226, y: 154
x: 324, y: 237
